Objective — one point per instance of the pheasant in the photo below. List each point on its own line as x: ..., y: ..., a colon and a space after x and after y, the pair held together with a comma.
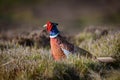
x: 61, y: 48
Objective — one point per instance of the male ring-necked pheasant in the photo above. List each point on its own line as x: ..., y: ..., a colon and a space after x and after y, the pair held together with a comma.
x: 60, y: 48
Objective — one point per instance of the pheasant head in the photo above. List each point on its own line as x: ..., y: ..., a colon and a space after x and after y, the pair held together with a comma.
x: 52, y: 29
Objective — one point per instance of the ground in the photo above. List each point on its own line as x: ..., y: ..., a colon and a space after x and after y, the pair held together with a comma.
x: 31, y: 59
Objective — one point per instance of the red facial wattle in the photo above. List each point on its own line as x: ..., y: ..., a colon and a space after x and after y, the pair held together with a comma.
x: 49, y: 26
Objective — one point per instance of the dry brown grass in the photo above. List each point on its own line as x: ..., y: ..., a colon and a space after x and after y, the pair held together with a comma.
x: 18, y: 62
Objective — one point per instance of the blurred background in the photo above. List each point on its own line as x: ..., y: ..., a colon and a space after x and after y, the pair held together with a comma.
x: 72, y: 15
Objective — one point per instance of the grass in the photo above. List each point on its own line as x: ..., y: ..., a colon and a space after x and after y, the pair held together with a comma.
x: 105, y: 46
x: 31, y: 63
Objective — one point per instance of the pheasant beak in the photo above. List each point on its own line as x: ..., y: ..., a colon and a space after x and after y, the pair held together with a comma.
x: 45, y: 25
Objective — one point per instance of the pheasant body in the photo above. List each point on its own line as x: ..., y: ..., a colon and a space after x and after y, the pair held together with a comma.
x: 56, y: 51
x: 60, y: 48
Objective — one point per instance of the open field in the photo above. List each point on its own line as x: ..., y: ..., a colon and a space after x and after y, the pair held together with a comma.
x: 26, y: 57
x: 93, y: 25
